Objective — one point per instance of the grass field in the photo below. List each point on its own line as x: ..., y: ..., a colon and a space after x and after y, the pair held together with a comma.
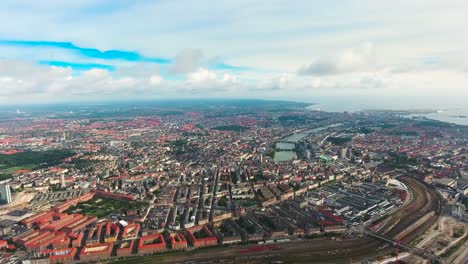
x: 11, y: 170
x: 102, y: 207
x: 30, y: 160
x: 7, y: 171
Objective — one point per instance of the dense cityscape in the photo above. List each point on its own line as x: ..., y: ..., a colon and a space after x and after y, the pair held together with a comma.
x: 230, y: 181
x: 233, y: 131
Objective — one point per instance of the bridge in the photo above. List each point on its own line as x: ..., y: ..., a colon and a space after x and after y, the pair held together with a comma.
x: 423, y: 253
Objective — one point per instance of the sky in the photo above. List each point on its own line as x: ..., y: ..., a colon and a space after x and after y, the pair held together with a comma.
x: 91, y: 50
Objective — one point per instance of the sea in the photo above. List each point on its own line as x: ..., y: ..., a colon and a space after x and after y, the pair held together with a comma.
x: 455, y: 111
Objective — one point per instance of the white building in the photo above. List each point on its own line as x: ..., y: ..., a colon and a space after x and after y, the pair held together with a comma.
x: 343, y: 153
x: 62, y: 181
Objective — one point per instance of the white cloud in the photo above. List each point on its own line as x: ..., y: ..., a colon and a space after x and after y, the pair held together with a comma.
x: 204, y: 80
x: 23, y: 80
x: 351, y: 60
x: 186, y: 61
x: 139, y: 70
x: 155, y: 79
x: 26, y: 82
x: 274, y: 40
x: 278, y: 83
x: 246, y: 31
x: 200, y: 76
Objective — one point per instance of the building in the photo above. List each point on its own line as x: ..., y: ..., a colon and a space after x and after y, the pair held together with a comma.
x: 58, y: 221
x: 152, y: 243
x: 5, y: 193
x: 6, y: 226
x: 77, y: 239
x: 97, y: 252
x: 53, y: 221
x: 111, y: 232
x: 41, y: 240
x: 65, y: 255
x: 62, y: 181
x: 94, y: 234
x: 130, y: 231
x: 61, y: 243
x: 124, y: 248
x: 83, y: 198
x: 178, y: 242
x: 3, y: 244
x: 343, y: 153
x: 201, y: 236
x: 40, y: 217
x: 80, y: 224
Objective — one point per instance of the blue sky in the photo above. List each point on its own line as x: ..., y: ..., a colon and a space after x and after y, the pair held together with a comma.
x: 56, y: 50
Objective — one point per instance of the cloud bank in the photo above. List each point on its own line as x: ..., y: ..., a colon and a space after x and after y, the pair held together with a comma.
x: 94, y: 50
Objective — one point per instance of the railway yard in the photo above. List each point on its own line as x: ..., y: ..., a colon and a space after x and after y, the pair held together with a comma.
x: 425, y: 203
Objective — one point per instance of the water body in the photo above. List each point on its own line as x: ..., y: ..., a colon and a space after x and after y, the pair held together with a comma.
x: 294, y: 138
x: 285, y: 146
x: 284, y: 156
x: 452, y: 111
x: 455, y: 116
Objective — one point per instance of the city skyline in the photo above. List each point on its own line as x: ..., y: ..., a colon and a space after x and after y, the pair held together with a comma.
x: 56, y: 51
x: 256, y: 131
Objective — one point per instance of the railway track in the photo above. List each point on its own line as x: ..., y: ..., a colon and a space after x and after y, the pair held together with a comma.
x: 425, y: 200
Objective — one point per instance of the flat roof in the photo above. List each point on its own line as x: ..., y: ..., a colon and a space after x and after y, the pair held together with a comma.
x: 7, y: 223
x: 90, y: 249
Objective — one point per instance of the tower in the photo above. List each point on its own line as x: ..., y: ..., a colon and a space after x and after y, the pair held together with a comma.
x: 343, y: 153
x: 5, y: 193
x: 62, y: 181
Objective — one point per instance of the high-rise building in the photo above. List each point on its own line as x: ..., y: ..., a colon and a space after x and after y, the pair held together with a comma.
x: 5, y: 193
x: 343, y: 153
x: 62, y: 181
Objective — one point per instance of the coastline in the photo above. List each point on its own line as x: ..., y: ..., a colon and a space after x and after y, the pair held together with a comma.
x: 437, y: 115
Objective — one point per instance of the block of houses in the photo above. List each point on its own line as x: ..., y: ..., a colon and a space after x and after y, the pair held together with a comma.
x: 151, y: 244
x: 201, y: 236
x: 96, y: 252
x: 178, y: 242
x: 65, y: 255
